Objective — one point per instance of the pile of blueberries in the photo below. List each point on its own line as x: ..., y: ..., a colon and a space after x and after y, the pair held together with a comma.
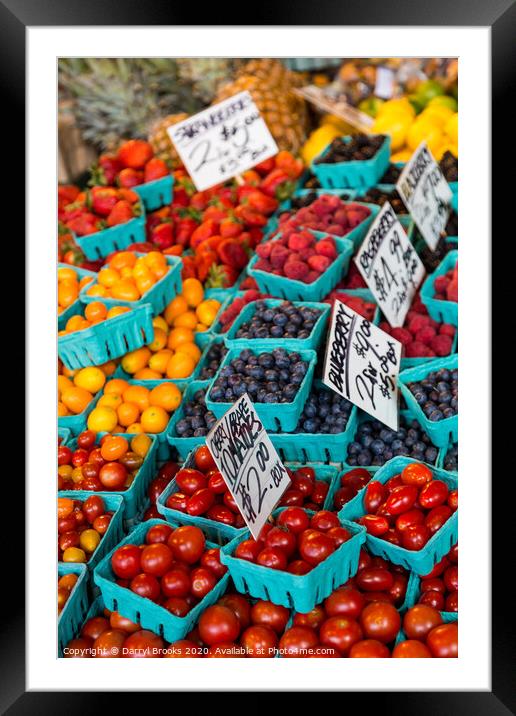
x: 284, y: 321
x: 437, y: 394
x: 375, y: 444
x: 273, y: 377
x: 451, y: 460
x: 377, y: 196
x: 214, y: 357
x: 358, y: 148
x: 197, y: 420
x: 324, y: 412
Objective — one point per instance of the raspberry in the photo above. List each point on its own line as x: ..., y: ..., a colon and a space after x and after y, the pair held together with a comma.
x: 417, y: 323
x: 279, y: 255
x: 385, y: 327
x: 298, y: 242
x: 402, y: 335
x: 263, y: 265
x: 296, y: 270
x: 447, y: 330
x: 319, y: 263
x: 416, y: 350
x: 441, y: 284
x: 425, y: 335
x: 312, y: 276
x: 264, y: 250
x: 337, y: 229
x: 452, y: 292
x: 251, y: 295
x: 441, y: 344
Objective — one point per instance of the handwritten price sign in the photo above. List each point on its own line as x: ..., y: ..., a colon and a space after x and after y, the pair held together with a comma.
x: 223, y: 140
x: 250, y: 465
x: 362, y: 364
x: 426, y: 194
x: 390, y: 265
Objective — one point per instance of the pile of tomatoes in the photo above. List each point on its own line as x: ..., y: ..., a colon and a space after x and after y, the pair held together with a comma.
x: 351, y: 482
x: 440, y: 587
x: 110, y: 464
x: 80, y: 527
x: 409, y: 508
x: 174, y: 568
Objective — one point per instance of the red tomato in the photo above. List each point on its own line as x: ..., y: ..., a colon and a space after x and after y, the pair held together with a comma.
x: 64, y: 455
x: 187, y: 543
x: 324, y: 521
x: 125, y: 561
x: 364, y: 560
x: 307, y: 472
x: 303, y: 484
x: 375, y: 494
x: 78, y: 648
x: 155, y: 488
x: 451, y: 578
x: 315, y: 548
x: 93, y: 507
x: 113, y: 475
x: 108, y: 645
x: 415, y: 537
x: 260, y: 642
x: 443, y: 641
x: 168, y: 471
x: 401, y: 499
x: 369, y: 649
x: 319, y: 492
x: 203, y: 581
x: 380, y: 621
x: 220, y: 513
x: 453, y: 554
x: 117, y: 621
x: 176, y: 583
x: 339, y: 535
x: 280, y: 538
x: 375, y: 580
x: 240, y: 606
x: 341, y: 633
x: 143, y: 644
x: 432, y: 599
x: 437, y: 517
x: 218, y: 624
x: 438, y: 569
x: 146, y: 586
x: 95, y: 457
x: 393, y: 482
x: 433, y: 494
x: 453, y: 500
x: 190, y: 481
x: 436, y: 584
x: 217, y: 483
x: 411, y: 649
x: 200, y: 502
x: 375, y: 525
x: 419, y: 620
x: 158, y: 534
x: 211, y: 560
x: 356, y: 479
x: 79, y: 457
x: 342, y: 496
x: 297, y: 642
x: 229, y: 501
x: 399, y: 589
x: 392, y: 536
x: 294, y: 519
x: 156, y: 559
x: 452, y: 601
x: 177, y: 501
x: 416, y: 474
x: 291, y: 498
x: 204, y: 460
x: 268, y: 614
x: 299, y: 567
x: 178, y: 606
x: 94, y: 627
x: 344, y: 601
x: 411, y: 517
x: 273, y: 558
x: 312, y: 619
x: 249, y: 550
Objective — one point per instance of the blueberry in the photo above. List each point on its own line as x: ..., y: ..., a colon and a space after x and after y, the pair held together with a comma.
x: 266, y: 360
x: 182, y: 426
x: 257, y: 372
x: 396, y: 445
x: 386, y: 435
x: 216, y: 393
x: 276, y: 331
x: 431, y: 454
x: 366, y: 439
x: 309, y: 426
x: 351, y: 460
x: 354, y: 448
x: 271, y: 374
x: 271, y: 398
x: 365, y: 458
x: 280, y: 319
x: 290, y: 391
x: 435, y: 416
x: 226, y: 371
x: 377, y: 447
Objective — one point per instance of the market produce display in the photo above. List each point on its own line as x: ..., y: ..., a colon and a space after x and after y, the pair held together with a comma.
x: 174, y: 303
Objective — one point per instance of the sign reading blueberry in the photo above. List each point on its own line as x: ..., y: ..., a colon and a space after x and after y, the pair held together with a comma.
x: 426, y: 194
x: 362, y: 364
x: 390, y: 266
x: 250, y: 465
x: 222, y: 141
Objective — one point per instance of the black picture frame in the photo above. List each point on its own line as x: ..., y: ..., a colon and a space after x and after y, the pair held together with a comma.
x: 500, y: 16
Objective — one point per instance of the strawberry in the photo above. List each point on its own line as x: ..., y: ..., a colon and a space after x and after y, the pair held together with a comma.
x: 296, y: 270
x: 326, y: 247
x: 128, y: 178
x: 104, y: 173
x: 232, y: 253
x: 135, y: 153
x: 163, y: 235
x: 221, y: 276
x: 121, y: 212
x: 155, y: 169
x: 83, y: 224
x: 103, y: 200
x: 230, y: 227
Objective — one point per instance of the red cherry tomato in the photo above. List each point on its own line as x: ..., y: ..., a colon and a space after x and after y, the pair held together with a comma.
x: 419, y: 620
x: 380, y: 621
x: 168, y: 471
x: 341, y: 633
x: 324, y: 521
x: 416, y: 474
x: 113, y: 475
x: 155, y: 488
x: 339, y: 535
x: 158, y: 534
x: 200, y: 502
x: 433, y: 599
x: 143, y: 644
x: 438, y: 569
x: 433, y: 494
x: 299, y: 567
x: 229, y: 501
x: 281, y: 538
x: 94, y: 627
x: 178, y: 606
x: 190, y: 481
x: 411, y: 517
x: 146, y: 586
x: 452, y: 602
x: 156, y: 559
x: 272, y: 615
x: 240, y: 606
x: 217, y: 483
x: 176, y: 583
x: 375, y: 580
x: 315, y: 548
x: 356, y: 479
x: 211, y: 560
x: 312, y: 619
x: 433, y: 584
x: 345, y: 601
x: 443, y: 641
x: 411, y: 649
x: 260, y: 642
x: 342, y: 496
x: 101, y: 524
x: 415, y: 537
x: 292, y: 498
x: 399, y: 589
x: 64, y: 455
x: 177, y: 501
x: 204, y: 460
x: 294, y: 519
x: 249, y: 550
x: 187, y: 543
x: 451, y: 578
x: 218, y: 624
x: 303, y: 484
x: 401, y: 499
x: 369, y: 649
x: 273, y: 558
x: 203, y: 581
x: 221, y: 513
x: 297, y: 642
x: 393, y: 482
x: 436, y: 518
x: 319, y: 492
x: 86, y: 439
x: 93, y: 507
x: 125, y: 561
x: 96, y: 458
x: 375, y: 494
x: 453, y: 500
x: 453, y: 554
x: 307, y: 472
x: 79, y: 457
x: 375, y: 525
x: 392, y: 536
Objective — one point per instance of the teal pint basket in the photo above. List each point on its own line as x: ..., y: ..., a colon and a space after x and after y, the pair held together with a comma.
x: 158, y: 297
x: 442, y: 311
x: 311, y: 343
x: 76, y: 306
x: 141, y: 610
x: 299, y: 592
x: 353, y: 174
x: 115, y: 531
x: 441, y: 431
x: 203, y: 361
x: 115, y: 238
x: 74, y: 611
x: 442, y: 456
x: 135, y: 495
x: 108, y: 339
x: 185, y: 445
x: 63, y: 434
x: 274, y: 416
x: 283, y: 287
x: 157, y: 193
x: 424, y: 560
x: 77, y: 423
x: 336, y: 484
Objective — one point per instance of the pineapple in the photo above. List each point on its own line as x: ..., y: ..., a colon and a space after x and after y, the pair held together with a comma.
x: 271, y: 87
x: 160, y: 141
x: 206, y: 74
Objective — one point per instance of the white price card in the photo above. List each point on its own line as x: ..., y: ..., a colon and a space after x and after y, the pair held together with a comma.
x: 390, y: 266
x: 222, y: 141
x: 249, y: 463
x: 362, y: 364
x: 426, y: 194
x: 384, y: 85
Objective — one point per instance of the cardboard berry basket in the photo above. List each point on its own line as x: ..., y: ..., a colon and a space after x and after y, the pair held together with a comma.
x: 76, y: 306
x: 442, y: 311
x: 114, y: 503
x: 157, y: 193
x: 311, y: 343
x: 74, y: 611
x: 185, y: 445
x: 107, y: 340
x: 299, y: 592
x: 158, y: 296
x: 283, y: 287
x: 425, y: 559
x: 77, y: 423
x: 274, y: 416
x: 136, y: 493
x: 115, y: 238
x: 315, y: 447
x: 440, y: 431
x: 141, y: 610
x: 353, y: 174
